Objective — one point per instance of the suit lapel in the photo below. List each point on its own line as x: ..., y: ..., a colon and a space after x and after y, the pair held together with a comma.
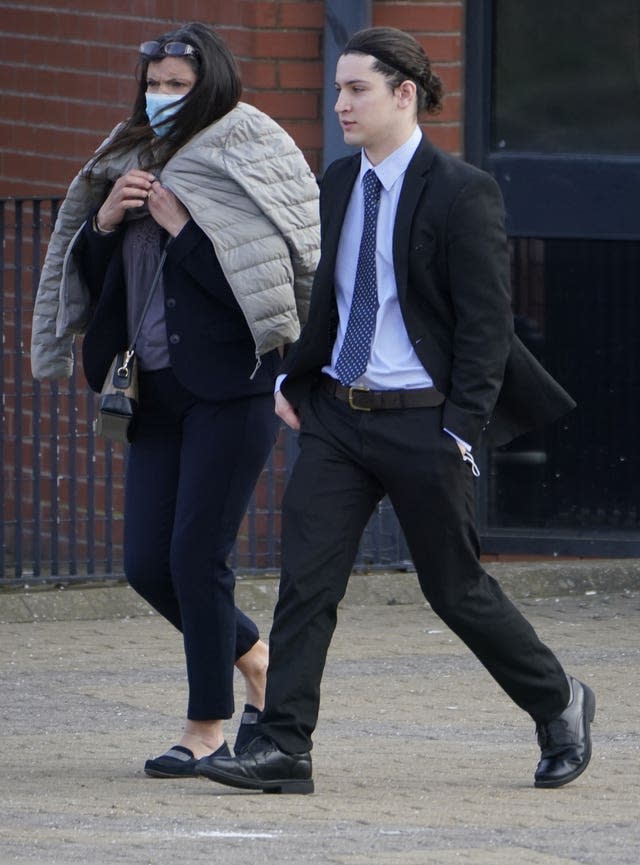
x: 336, y: 191
x: 416, y: 179
x: 336, y: 195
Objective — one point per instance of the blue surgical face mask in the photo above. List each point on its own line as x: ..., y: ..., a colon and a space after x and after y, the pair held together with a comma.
x: 160, y: 110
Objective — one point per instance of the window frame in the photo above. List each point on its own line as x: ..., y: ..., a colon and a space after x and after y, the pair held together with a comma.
x: 546, y: 195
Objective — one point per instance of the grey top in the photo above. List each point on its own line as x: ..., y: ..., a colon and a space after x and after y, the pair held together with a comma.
x: 141, y: 255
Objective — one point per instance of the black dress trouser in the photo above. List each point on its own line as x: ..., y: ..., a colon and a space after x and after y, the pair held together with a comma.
x: 348, y: 461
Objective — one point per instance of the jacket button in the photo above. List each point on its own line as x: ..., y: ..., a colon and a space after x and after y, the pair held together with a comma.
x: 174, y: 339
x: 171, y: 302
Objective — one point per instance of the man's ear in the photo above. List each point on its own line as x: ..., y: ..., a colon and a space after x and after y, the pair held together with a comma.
x: 407, y: 92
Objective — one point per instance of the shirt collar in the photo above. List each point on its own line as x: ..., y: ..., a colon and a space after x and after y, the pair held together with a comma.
x: 395, y: 165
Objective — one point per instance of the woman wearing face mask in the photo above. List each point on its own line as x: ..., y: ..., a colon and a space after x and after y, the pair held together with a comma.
x: 225, y: 193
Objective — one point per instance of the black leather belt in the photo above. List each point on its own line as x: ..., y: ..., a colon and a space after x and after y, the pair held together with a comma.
x: 363, y: 399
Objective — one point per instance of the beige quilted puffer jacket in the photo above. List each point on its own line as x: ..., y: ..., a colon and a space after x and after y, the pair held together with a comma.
x: 247, y: 185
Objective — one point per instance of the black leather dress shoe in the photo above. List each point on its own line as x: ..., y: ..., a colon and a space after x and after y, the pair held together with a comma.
x: 261, y: 766
x: 565, y: 741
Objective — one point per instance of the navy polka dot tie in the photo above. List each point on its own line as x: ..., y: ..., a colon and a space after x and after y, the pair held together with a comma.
x: 354, y: 353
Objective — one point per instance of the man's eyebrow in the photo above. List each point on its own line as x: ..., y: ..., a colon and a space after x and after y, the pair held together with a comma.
x: 352, y: 81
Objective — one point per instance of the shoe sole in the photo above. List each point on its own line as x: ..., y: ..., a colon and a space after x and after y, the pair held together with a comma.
x: 590, y: 714
x: 157, y: 773
x: 301, y: 786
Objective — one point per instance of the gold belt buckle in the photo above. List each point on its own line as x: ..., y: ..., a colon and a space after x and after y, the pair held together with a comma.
x: 357, y: 389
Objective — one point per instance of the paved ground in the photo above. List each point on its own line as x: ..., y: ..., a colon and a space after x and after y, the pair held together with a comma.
x: 419, y: 758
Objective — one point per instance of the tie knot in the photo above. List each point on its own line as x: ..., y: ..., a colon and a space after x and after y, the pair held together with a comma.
x: 371, y: 184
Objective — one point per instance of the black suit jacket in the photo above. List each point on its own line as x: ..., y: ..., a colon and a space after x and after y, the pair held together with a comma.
x: 452, y: 272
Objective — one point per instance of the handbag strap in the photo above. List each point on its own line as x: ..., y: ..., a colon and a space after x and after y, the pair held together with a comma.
x: 154, y: 284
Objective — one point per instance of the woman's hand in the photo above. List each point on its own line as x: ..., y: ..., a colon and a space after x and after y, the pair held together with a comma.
x: 128, y: 192
x: 167, y: 210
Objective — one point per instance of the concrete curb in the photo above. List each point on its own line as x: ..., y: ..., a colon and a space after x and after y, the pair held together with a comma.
x: 114, y: 600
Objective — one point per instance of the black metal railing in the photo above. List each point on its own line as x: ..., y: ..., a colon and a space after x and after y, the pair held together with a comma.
x: 61, y: 486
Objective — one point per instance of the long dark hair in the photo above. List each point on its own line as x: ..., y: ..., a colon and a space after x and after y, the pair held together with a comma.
x: 398, y: 56
x: 216, y: 91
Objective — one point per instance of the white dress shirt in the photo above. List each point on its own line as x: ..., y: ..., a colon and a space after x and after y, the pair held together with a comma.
x: 393, y: 364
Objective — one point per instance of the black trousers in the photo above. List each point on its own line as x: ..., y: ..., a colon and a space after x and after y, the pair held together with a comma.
x: 348, y: 460
x: 191, y: 470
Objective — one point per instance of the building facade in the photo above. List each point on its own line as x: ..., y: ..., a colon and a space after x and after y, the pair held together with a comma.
x: 541, y: 95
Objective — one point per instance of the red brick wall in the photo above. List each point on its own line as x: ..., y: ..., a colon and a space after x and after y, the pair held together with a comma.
x: 66, y: 71
x: 67, y: 74
x: 438, y: 26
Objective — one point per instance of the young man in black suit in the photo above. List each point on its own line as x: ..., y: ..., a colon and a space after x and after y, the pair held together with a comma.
x: 408, y: 361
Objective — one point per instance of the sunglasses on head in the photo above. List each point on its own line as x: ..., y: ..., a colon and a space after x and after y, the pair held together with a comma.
x: 170, y: 49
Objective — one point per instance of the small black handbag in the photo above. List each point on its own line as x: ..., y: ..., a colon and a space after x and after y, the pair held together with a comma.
x: 118, y: 400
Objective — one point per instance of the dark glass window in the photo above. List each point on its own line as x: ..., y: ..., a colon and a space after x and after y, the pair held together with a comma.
x: 566, y: 76
x: 577, y: 308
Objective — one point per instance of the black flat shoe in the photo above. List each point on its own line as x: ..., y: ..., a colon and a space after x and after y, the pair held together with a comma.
x: 261, y: 766
x: 248, y: 728
x: 565, y: 741
x: 178, y: 762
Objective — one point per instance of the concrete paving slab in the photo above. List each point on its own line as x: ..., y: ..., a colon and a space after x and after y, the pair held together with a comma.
x: 419, y: 758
